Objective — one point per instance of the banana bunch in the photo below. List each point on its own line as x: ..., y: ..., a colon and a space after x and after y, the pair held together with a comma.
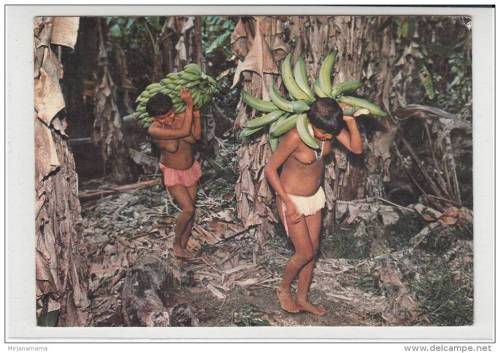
x: 202, y: 88
x: 283, y: 114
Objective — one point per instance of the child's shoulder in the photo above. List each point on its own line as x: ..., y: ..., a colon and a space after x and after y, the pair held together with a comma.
x: 292, y: 135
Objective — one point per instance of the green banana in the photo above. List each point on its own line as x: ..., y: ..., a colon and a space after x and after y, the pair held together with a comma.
x: 289, y: 81
x: 302, y: 125
x: 273, y: 142
x: 211, y: 80
x: 246, y: 132
x: 317, y: 89
x: 300, y: 75
x: 343, y: 87
x: 171, y: 85
x: 179, y: 108
x: 145, y: 95
x: 256, y: 103
x: 286, y: 105
x: 362, y: 103
x: 278, y: 100
x: 300, y: 106
x: 189, y: 76
x: 166, y: 81
x: 197, y: 101
x: 325, y: 72
x: 264, y: 119
x: 283, y: 126
x: 193, y: 84
x: 193, y: 68
x: 153, y: 86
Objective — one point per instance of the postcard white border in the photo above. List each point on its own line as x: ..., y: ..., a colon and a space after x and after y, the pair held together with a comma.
x: 20, y: 246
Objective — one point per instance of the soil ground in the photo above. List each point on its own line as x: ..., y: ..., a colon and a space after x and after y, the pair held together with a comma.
x: 232, y: 282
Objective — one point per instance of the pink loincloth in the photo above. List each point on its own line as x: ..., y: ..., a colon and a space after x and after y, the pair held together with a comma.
x: 186, y: 177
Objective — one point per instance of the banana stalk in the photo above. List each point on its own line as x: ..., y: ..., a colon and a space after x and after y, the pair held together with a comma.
x: 362, y: 103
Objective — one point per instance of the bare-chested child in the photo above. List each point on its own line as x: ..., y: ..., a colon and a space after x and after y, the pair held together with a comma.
x: 175, y: 135
x: 300, y: 196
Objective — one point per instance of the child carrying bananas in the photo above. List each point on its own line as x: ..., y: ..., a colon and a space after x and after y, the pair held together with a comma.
x: 300, y: 196
x: 175, y: 134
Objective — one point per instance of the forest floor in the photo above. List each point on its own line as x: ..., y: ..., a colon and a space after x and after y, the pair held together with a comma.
x: 383, y: 265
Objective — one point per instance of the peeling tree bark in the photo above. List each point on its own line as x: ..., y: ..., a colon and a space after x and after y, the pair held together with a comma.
x: 125, y: 83
x: 108, y: 133
x: 61, y: 272
x: 180, y: 42
x: 258, y: 43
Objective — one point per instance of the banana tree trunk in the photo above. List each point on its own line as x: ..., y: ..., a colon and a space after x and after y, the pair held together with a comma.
x: 61, y: 271
x: 259, y: 46
x: 108, y: 133
x: 180, y: 42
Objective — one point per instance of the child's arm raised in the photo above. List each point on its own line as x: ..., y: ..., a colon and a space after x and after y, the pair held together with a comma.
x: 157, y: 132
x: 195, y: 134
x: 287, y: 146
x: 351, y: 138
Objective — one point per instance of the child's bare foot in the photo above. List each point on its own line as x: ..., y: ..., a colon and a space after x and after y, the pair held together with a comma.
x: 308, y: 307
x: 286, y: 301
x: 182, y: 253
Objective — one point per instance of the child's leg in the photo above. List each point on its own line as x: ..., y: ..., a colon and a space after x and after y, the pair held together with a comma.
x: 303, y: 254
x: 305, y: 275
x: 181, y: 195
x: 192, y: 190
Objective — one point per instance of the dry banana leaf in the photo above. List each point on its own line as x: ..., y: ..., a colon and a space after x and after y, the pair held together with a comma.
x: 65, y: 31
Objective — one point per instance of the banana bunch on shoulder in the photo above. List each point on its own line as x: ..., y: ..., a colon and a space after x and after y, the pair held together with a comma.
x: 201, y: 85
x: 283, y: 114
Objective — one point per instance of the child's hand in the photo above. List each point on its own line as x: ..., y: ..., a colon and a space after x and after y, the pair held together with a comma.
x: 360, y: 112
x: 291, y: 212
x: 344, y: 106
x: 348, y: 118
x: 196, y: 114
x: 186, y: 96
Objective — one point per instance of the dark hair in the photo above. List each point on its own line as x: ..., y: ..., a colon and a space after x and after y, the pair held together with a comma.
x: 158, y: 105
x: 326, y: 114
